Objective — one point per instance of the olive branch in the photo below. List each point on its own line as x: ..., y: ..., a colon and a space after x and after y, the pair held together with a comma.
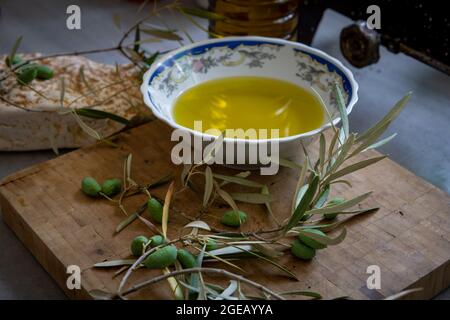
x: 313, y: 215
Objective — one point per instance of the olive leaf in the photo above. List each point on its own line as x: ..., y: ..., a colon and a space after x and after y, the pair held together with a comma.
x: 300, y: 183
x: 209, y: 254
x: 342, y: 110
x: 334, y: 225
x: 184, y: 173
x: 231, y: 250
x: 198, y: 224
x: 149, y: 224
x: 129, y: 219
x: 174, y: 286
x: 307, y: 157
x: 388, y: 118
x: 300, y: 210
x: 343, y: 152
x: 238, y: 180
x: 340, y: 207
x: 330, y: 158
x: 266, y: 251
x: 265, y: 191
x: 197, y: 12
x: 84, y: 80
x: 165, y: 215
x: 98, y: 294
x: 115, y: 263
x: 326, y: 240
x: 272, y: 262
x: 149, y: 61
x: 209, y: 184
x: 14, y: 48
x: 322, y: 147
x: 229, y: 291
x: 163, y: 180
x: 380, y: 143
x: 88, y: 130
x: 99, y: 114
x: 194, y: 279
x: 369, y: 141
x: 62, y: 91
x: 137, y: 38
x: 127, y: 167
x: 227, y: 198
x: 353, y: 168
x: 323, y: 197
x: 212, y: 149
x: 243, y: 175
x: 256, y: 198
x: 162, y: 33
x: 134, y: 56
x: 287, y: 163
x: 346, y: 182
x: 355, y: 212
x: 301, y: 192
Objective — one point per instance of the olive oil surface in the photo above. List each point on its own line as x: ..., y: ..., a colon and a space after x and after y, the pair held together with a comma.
x: 249, y: 103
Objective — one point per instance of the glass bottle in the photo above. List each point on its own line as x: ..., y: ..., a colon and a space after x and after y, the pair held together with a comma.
x: 270, y: 18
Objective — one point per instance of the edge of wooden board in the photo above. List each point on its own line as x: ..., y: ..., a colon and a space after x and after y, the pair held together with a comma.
x: 432, y: 283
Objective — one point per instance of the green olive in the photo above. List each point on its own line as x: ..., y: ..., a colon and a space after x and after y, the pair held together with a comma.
x: 330, y: 216
x: 211, y: 244
x: 15, y: 60
x: 90, y: 186
x: 233, y: 218
x: 26, y: 74
x: 156, y: 241
x: 186, y: 259
x: 111, y: 187
x: 155, y: 209
x: 302, y: 251
x: 161, y: 258
x: 333, y: 202
x: 311, y: 242
x: 137, y: 245
x: 44, y: 72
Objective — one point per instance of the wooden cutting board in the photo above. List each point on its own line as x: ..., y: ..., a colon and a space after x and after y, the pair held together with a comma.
x: 408, y: 237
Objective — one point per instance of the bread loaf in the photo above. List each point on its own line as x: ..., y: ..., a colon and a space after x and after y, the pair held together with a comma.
x: 42, y: 123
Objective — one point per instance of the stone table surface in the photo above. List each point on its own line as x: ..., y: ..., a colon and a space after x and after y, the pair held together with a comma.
x: 422, y: 144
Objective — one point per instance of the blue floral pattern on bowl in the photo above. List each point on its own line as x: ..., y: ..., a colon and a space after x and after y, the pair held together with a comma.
x: 229, y: 57
x: 304, y: 66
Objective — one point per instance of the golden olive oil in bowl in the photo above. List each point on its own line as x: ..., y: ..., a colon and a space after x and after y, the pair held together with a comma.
x: 248, y: 102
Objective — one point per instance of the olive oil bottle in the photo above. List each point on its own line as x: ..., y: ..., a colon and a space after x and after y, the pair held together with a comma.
x: 270, y: 18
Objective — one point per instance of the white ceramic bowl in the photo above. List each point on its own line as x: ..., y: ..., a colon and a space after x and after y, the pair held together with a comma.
x: 297, y: 63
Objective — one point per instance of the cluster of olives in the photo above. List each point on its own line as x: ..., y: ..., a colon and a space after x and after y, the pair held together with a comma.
x: 165, y: 255
x: 30, y: 71
x: 304, y: 247
x: 109, y: 187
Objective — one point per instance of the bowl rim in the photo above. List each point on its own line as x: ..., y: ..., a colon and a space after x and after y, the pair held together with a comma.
x: 159, y: 62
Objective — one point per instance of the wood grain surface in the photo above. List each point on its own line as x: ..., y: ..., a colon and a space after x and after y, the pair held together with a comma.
x: 408, y: 237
